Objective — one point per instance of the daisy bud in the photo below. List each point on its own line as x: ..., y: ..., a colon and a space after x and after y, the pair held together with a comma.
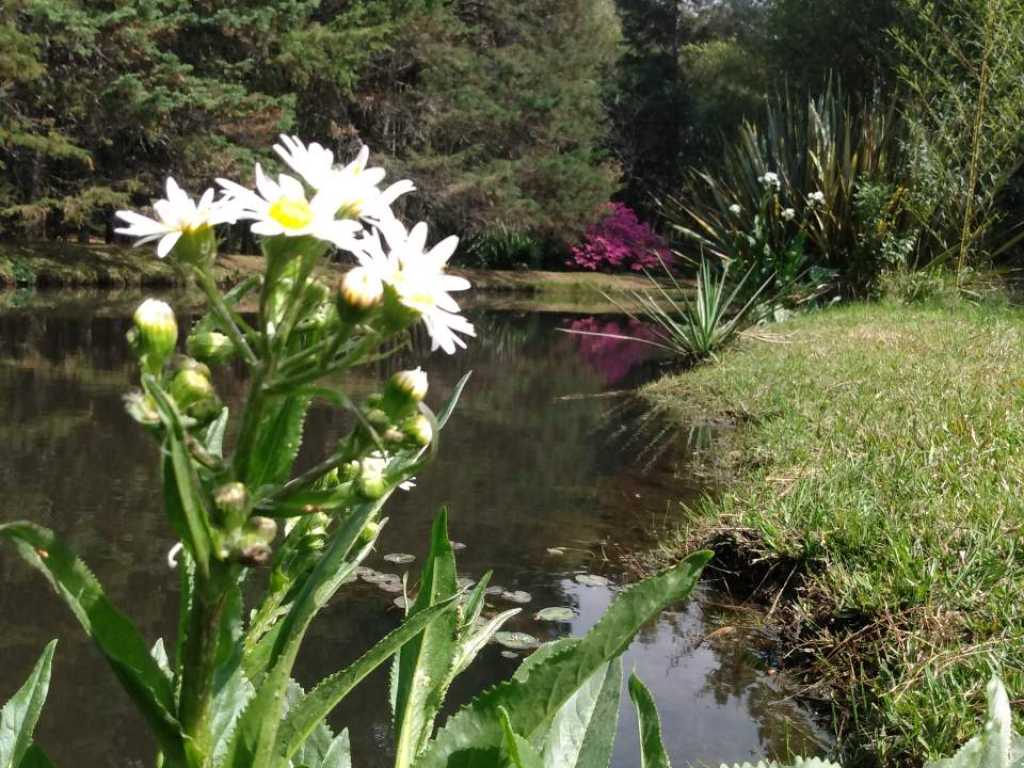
x: 156, y: 333
x: 261, y: 528
x: 419, y: 430
x: 371, y: 482
x: 359, y: 292
x: 369, y: 532
x: 194, y: 394
x: 403, y: 391
x: 254, y: 554
x: 142, y: 408
x: 232, y: 501
x: 211, y: 347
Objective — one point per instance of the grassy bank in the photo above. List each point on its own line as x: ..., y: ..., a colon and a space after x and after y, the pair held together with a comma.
x: 70, y: 265
x: 879, y: 488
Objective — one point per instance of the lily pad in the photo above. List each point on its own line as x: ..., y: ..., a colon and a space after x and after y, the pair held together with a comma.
x: 495, y: 590
x: 371, y: 576
x: 591, y: 580
x: 465, y: 583
x: 557, y: 613
x: 458, y: 546
x: 519, y: 597
x: 390, y: 586
x: 509, y: 655
x: 399, y: 558
x: 516, y: 641
x: 556, y: 551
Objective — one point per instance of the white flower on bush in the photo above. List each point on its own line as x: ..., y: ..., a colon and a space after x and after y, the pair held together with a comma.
x: 788, y: 214
x: 178, y: 215
x: 355, y: 187
x: 735, y: 209
x: 771, y: 180
x: 419, y: 279
x: 816, y: 198
x: 281, y: 208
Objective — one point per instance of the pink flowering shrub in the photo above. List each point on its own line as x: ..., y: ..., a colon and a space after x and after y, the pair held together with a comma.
x: 619, y: 241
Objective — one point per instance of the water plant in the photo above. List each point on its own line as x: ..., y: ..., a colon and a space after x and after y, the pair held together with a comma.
x: 220, y: 694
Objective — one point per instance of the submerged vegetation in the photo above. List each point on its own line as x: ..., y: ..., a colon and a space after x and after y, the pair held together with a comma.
x: 879, y: 486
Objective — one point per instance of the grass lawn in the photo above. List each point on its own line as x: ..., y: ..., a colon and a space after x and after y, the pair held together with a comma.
x: 881, y: 473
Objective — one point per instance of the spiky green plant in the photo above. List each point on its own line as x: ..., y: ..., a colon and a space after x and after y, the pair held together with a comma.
x: 824, y: 145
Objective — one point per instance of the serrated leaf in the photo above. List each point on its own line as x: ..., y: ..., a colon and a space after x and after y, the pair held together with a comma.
x: 117, y: 638
x: 277, y: 443
x: 20, y: 714
x: 425, y: 662
x: 582, y: 733
x: 652, y: 751
x: 215, y: 434
x: 475, y: 642
x: 533, y: 698
x: 340, y: 753
x: 998, y: 745
x: 309, y: 710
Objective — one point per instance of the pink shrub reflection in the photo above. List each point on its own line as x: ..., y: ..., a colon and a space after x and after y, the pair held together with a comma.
x: 613, y: 358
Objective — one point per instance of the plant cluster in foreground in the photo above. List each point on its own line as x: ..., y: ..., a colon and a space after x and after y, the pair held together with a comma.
x: 883, y: 469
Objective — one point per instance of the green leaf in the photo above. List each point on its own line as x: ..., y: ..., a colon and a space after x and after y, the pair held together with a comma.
x: 312, y: 708
x: 19, y: 716
x: 35, y: 758
x: 517, y: 752
x: 582, y: 734
x: 533, y: 698
x: 183, y: 498
x: 424, y: 664
x: 652, y: 751
x: 117, y: 638
x: 340, y: 753
x: 998, y: 745
x: 215, y: 434
x: 449, y: 407
x: 277, y: 443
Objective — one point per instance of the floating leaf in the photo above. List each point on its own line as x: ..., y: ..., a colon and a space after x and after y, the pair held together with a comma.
x: 391, y: 586
x: 399, y: 558
x: 509, y: 655
x: 465, y: 583
x: 519, y: 596
x: 555, y: 614
x: 516, y: 641
x: 591, y: 580
x: 494, y: 590
x: 556, y: 551
x: 458, y: 546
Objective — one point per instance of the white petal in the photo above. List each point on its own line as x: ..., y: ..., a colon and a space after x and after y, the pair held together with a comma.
x: 266, y: 186
x: 396, y: 190
x: 444, y: 250
x: 291, y: 187
x: 418, y: 238
x: 266, y: 228
x: 167, y: 243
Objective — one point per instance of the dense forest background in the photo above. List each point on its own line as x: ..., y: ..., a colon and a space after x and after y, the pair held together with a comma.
x: 512, y: 117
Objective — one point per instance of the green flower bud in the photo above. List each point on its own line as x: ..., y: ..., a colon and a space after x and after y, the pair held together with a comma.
x: 350, y: 471
x: 371, y: 482
x: 232, y: 501
x: 369, y: 532
x: 197, y: 247
x: 186, y: 363
x: 156, y: 334
x: 195, y: 396
x: 378, y: 419
x: 419, y: 430
x: 359, y: 292
x: 211, y: 347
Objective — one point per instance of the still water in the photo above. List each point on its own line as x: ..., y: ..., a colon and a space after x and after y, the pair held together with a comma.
x: 543, y: 452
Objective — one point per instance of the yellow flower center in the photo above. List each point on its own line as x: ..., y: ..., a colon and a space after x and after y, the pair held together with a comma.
x: 291, y: 213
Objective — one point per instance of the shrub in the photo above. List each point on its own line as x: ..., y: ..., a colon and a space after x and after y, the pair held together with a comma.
x: 817, y: 155
x: 504, y: 248
x: 619, y: 241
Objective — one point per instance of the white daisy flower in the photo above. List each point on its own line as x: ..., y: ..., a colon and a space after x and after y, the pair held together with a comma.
x: 178, y: 215
x: 419, y: 279
x: 788, y: 214
x: 735, y: 209
x: 771, y: 179
x: 816, y: 198
x: 355, y: 186
x: 281, y: 208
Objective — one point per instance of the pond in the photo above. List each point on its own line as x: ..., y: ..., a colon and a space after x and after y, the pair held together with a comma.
x: 544, y: 453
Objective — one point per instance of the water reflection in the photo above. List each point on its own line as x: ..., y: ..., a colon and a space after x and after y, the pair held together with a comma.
x: 602, y: 342
x: 532, y: 460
